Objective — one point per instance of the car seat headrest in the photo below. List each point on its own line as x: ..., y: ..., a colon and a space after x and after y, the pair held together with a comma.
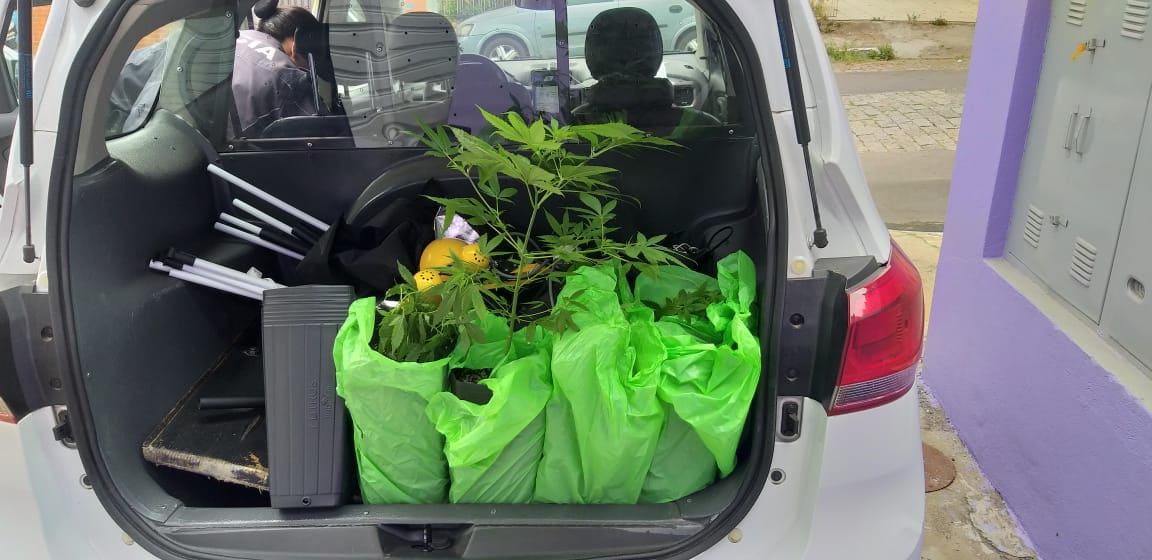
x: 624, y: 41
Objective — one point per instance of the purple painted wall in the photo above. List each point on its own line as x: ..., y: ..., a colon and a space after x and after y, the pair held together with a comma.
x: 1067, y: 446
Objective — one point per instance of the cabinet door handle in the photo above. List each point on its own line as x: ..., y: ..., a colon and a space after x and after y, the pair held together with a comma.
x: 1068, y: 137
x: 1080, y: 132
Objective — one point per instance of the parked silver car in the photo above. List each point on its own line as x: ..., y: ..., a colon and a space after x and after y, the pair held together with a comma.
x: 512, y: 33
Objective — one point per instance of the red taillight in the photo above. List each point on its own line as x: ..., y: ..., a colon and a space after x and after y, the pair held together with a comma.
x: 885, y: 335
x: 5, y: 414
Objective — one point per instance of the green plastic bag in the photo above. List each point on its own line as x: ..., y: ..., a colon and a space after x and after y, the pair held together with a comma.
x: 708, y: 380
x: 399, y: 453
x: 604, y: 418
x: 682, y: 464
x: 717, y: 403
x: 494, y: 449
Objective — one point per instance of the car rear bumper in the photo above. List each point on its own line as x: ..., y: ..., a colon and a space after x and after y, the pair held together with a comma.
x: 853, y: 487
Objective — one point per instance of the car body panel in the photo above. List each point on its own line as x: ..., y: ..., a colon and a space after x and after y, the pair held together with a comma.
x: 74, y: 521
x: 846, y: 493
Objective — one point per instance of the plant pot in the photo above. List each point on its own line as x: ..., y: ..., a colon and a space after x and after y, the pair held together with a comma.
x: 470, y: 391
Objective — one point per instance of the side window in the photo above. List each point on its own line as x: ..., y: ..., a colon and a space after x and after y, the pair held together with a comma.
x: 135, y: 93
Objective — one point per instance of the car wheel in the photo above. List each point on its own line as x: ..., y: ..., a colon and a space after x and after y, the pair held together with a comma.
x: 504, y: 48
x: 687, y: 42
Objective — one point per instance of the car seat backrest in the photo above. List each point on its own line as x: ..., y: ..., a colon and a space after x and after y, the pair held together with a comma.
x: 421, y: 47
x: 675, y: 190
x: 624, y: 51
x: 481, y: 83
x: 392, y: 76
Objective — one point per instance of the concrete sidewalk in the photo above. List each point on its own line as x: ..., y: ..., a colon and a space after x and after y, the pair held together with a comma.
x: 902, y: 10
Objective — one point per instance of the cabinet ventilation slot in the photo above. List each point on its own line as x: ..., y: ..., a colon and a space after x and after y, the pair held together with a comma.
x: 1083, y: 262
x: 1033, y: 225
x: 1077, y: 9
x: 1135, y: 19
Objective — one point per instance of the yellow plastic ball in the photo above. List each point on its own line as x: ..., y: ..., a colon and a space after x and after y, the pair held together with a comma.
x: 472, y: 257
x: 438, y: 254
x: 427, y: 279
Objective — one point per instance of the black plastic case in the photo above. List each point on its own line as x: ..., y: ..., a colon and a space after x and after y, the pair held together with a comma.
x: 308, y: 443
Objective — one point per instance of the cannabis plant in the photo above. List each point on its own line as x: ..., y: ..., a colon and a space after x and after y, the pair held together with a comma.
x: 572, y: 206
x: 425, y: 326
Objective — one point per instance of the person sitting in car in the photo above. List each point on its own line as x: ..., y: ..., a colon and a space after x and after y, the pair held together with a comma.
x: 271, y: 80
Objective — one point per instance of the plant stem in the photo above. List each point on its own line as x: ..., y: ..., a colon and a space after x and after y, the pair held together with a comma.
x: 522, y: 252
x: 467, y: 172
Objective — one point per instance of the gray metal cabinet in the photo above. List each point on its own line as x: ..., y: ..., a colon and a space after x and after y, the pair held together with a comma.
x: 1128, y: 308
x: 1086, y: 127
x: 1048, y: 158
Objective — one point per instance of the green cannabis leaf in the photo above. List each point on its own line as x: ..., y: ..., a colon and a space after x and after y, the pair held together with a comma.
x: 538, y: 165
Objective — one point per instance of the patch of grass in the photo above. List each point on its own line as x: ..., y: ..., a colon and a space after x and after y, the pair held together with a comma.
x: 847, y: 54
x: 940, y: 22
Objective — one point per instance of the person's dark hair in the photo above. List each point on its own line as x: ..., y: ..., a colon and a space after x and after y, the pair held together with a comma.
x: 282, y: 23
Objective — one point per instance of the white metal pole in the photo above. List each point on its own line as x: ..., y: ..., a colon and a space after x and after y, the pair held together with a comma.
x: 225, y: 228
x: 245, y: 284
x: 233, y: 273
x: 262, y: 216
x: 239, y: 224
x: 206, y: 282
x: 254, y: 191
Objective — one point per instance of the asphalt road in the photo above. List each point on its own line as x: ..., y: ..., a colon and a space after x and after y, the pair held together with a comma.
x: 910, y: 188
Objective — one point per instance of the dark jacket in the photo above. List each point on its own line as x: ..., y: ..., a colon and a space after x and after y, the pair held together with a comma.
x: 267, y: 85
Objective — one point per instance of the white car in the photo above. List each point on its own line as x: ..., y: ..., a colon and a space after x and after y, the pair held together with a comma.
x: 99, y: 349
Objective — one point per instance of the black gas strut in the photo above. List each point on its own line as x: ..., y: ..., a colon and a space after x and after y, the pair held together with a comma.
x: 799, y: 110
x: 24, y: 50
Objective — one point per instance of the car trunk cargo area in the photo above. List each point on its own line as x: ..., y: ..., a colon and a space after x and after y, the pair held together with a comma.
x: 148, y: 343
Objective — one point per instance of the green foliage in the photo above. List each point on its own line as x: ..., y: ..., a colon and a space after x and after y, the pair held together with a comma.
x: 687, y: 305
x: 940, y: 22
x: 848, y: 54
x: 426, y: 326
x: 574, y: 230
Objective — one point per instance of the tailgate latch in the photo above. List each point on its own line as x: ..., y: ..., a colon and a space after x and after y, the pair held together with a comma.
x: 424, y: 538
x: 62, y: 431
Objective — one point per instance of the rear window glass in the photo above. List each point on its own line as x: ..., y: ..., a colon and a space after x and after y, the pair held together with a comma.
x: 367, y: 73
